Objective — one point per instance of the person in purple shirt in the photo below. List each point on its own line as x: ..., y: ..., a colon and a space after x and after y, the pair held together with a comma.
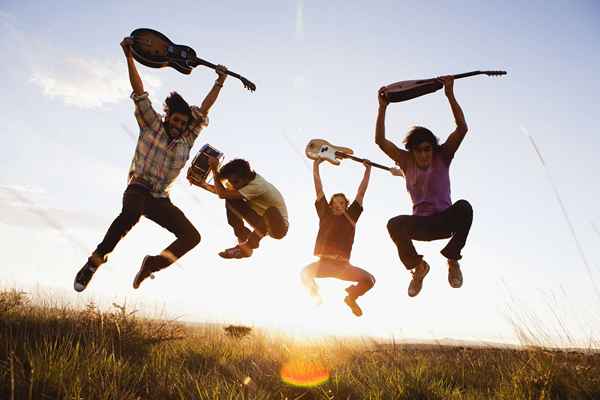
x: 425, y: 165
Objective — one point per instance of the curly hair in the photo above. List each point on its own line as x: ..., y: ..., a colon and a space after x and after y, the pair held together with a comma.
x: 417, y: 135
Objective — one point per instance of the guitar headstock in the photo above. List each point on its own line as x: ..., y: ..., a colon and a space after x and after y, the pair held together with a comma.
x: 248, y: 85
x: 494, y: 73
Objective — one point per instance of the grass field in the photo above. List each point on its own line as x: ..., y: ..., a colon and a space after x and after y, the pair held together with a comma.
x: 52, y: 352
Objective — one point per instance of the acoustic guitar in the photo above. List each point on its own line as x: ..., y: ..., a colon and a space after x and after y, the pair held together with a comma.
x: 406, y: 90
x: 155, y: 50
x: 320, y: 149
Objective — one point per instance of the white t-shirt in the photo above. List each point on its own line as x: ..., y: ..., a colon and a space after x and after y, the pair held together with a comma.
x: 262, y: 195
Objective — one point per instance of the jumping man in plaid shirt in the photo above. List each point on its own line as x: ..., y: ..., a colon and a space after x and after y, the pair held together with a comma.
x: 162, y: 150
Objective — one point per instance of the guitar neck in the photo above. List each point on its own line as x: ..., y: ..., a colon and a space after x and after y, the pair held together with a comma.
x: 344, y: 155
x: 467, y: 74
x: 199, y: 61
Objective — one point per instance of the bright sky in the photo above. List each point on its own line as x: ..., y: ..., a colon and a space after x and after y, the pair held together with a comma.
x: 68, y: 127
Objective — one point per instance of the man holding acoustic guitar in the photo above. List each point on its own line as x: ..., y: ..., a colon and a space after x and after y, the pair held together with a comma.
x: 162, y: 150
x: 337, y: 225
x: 425, y: 164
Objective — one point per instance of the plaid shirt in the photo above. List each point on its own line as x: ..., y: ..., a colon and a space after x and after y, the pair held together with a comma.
x: 158, y: 160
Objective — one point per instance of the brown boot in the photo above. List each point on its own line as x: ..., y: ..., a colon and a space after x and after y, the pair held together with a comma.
x: 455, y: 277
x: 418, y: 274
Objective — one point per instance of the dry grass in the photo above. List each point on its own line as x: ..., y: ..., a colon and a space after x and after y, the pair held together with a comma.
x: 49, y: 352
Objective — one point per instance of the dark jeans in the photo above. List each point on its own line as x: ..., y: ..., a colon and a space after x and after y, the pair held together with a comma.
x: 138, y: 201
x: 271, y: 223
x: 340, y: 269
x: 453, y: 222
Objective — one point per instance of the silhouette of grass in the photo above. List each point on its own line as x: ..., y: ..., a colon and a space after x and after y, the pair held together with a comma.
x: 50, y: 352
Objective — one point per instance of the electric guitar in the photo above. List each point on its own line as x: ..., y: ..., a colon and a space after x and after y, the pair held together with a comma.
x: 406, y: 90
x: 155, y: 50
x: 319, y: 149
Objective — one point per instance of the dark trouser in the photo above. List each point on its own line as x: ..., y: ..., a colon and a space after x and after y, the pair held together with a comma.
x: 138, y: 201
x: 340, y: 269
x: 453, y: 222
x: 271, y: 223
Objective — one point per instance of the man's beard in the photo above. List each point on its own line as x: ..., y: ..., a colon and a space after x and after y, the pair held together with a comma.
x: 173, y: 133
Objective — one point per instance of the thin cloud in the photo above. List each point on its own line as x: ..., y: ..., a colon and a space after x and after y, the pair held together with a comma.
x: 24, y: 207
x: 300, y: 20
x: 77, y: 80
x: 87, y: 83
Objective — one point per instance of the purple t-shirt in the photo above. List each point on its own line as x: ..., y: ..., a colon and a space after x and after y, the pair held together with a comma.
x: 429, y: 188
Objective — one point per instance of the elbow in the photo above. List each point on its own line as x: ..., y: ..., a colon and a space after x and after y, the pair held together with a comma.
x: 463, y: 128
x: 381, y: 143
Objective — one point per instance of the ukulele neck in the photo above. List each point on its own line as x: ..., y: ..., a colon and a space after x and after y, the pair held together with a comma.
x: 467, y: 74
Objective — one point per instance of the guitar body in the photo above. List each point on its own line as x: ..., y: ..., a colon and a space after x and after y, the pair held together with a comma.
x: 406, y: 90
x: 320, y: 149
x: 153, y: 49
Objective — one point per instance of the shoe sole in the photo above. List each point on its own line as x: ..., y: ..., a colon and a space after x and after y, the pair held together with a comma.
x: 455, y: 285
x: 135, y: 279
x: 78, y: 287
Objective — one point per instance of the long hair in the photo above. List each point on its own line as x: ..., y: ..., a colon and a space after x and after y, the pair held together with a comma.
x: 417, y: 135
x: 174, y: 103
x: 238, y: 167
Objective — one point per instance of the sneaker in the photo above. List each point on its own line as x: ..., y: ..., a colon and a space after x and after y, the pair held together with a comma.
x: 455, y: 277
x: 351, y: 302
x: 236, y: 252
x: 144, y: 272
x: 84, y: 276
x: 418, y: 274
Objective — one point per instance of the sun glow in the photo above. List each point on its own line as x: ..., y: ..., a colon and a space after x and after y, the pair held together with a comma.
x: 304, y: 373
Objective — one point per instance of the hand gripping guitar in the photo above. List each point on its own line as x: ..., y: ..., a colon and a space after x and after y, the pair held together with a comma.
x: 155, y: 50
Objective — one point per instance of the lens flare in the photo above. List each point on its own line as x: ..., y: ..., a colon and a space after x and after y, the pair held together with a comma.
x: 304, y: 373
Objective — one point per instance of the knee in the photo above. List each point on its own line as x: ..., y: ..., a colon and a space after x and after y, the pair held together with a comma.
x: 370, y: 282
x: 465, y: 208
x: 397, y: 225
x: 279, y: 233
x: 193, y: 237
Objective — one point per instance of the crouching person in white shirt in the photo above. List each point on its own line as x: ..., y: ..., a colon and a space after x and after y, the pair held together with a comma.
x: 248, y: 198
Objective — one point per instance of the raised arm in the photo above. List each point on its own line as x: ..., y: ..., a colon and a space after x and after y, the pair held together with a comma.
x: 456, y: 137
x: 134, y: 76
x: 398, y: 155
x: 317, y: 179
x: 362, y: 188
x: 211, y: 97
